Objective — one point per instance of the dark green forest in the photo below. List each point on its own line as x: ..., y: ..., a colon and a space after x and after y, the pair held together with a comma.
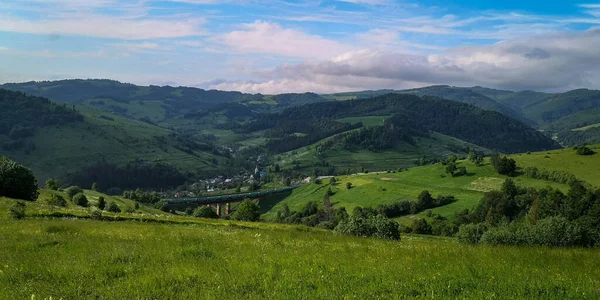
x: 485, y: 128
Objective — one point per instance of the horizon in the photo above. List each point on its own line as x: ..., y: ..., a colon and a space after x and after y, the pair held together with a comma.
x: 277, y: 46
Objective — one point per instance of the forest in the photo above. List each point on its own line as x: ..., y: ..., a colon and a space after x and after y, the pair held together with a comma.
x: 485, y: 128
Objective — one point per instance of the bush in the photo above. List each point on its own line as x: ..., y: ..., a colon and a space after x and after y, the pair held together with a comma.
x: 101, y: 203
x: 17, y: 210
x: 129, y: 210
x: 248, y: 210
x: 17, y: 181
x: 113, y: 207
x: 96, y: 215
x: 57, y: 200
x: 95, y: 187
x: 80, y: 199
x: 348, y: 185
x: 584, y: 150
x: 72, y: 191
x: 205, y: 212
x: 372, y: 226
x: 52, y: 184
x: 504, y: 165
x: 471, y: 233
x: 136, y: 206
x: 162, y: 205
x: 420, y: 226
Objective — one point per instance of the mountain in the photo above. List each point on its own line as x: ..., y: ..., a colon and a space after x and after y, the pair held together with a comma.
x: 408, y: 116
x: 58, y: 140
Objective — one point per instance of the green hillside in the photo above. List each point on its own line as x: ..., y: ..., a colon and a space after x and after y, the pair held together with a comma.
x: 374, y: 188
x: 403, y: 155
x: 382, y: 187
x: 58, y: 148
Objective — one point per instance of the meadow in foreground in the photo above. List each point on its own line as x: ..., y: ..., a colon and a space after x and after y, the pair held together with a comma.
x: 74, y: 259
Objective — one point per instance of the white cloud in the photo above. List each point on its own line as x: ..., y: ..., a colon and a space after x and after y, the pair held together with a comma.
x: 107, y: 27
x: 548, y: 62
x: 270, y: 38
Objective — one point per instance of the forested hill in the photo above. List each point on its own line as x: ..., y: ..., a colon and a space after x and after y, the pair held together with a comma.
x: 466, y: 122
x: 21, y: 116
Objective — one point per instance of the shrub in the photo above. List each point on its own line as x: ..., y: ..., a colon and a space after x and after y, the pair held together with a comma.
x: 205, y: 212
x: 17, y: 210
x: 371, y: 226
x: 556, y: 231
x: 52, y: 184
x: 162, y: 205
x: 96, y: 215
x: 584, y: 150
x: 189, y: 211
x: 136, y: 206
x: 56, y: 200
x: 504, y: 165
x: 129, y: 210
x: 348, y: 185
x: 95, y: 187
x: 113, y: 207
x: 72, y: 191
x: 248, y: 210
x: 470, y: 233
x: 17, y: 181
x: 80, y: 199
x: 101, y: 203
x: 420, y: 226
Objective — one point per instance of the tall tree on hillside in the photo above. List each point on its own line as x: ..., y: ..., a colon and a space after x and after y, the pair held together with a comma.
x: 17, y: 181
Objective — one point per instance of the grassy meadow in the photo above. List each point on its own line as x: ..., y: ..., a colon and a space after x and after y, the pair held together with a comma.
x: 75, y: 259
x: 372, y: 189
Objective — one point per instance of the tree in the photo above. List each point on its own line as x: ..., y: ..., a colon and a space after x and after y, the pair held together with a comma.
x: 72, y: 191
x: 17, y: 210
x: 420, y: 226
x: 95, y: 187
x: 451, y: 168
x: 17, y: 181
x: 584, y: 150
x: 424, y: 201
x: 332, y: 181
x: 136, y: 206
x: 248, y: 210
x: 101, y: 203
x: 113, y: 207
x: 348, y: 185
x: 80, y: 199
x: 57, y: 200
x: 52, y: 184
x: 504, y: 165
x: 206, y: 212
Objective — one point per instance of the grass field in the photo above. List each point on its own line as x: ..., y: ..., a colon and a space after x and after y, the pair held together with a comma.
x: 584, y: 167
x: 402, y: 156
x: 370, y: 190
x: 75, y: 259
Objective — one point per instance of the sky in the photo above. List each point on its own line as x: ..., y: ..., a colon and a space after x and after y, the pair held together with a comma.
x: 279, y: 46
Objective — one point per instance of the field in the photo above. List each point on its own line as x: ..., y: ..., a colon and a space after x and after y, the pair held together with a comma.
x: 584, y: 167
x: 402, y: 156
x: 74, y: 259
x: 372, y: 189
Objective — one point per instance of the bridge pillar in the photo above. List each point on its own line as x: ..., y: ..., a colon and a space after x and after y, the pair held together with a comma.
x: 219, y: 209
x: 227, y: 208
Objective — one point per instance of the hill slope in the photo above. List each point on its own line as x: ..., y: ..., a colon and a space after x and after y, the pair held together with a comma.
x: 73, y: 138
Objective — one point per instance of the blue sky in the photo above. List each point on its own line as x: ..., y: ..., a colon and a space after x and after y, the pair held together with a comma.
x: 276, y: 46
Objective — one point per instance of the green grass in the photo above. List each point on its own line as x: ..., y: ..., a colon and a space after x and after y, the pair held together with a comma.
x: 373, y: 189
x: 587, y: 127
x: 63, y: 149
x: 402, y: 156
x: 75, y: 259
x: 584, y: 167
x: 369, y: 121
